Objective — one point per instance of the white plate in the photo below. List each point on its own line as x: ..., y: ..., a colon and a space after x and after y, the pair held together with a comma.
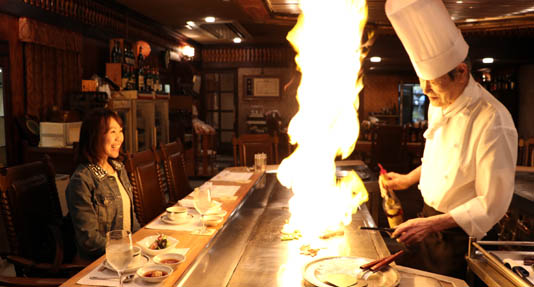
x: 147, y: 241
x: 167, y: 220
x: 131, y: 267
x: 317, y: 270
x: 219, y: 212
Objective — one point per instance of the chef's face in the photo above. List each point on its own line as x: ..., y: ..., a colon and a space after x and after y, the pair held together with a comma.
x: 113, y: 139
x: 444, y: 90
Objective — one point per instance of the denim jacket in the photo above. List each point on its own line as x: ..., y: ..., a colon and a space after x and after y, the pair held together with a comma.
x: 95, y: 206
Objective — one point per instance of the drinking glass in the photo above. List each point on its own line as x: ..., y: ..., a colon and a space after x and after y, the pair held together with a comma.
x: 202, y: 202
x: 119, y: 251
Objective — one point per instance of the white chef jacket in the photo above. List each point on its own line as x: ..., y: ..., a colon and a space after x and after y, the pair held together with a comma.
x: 469, y: 160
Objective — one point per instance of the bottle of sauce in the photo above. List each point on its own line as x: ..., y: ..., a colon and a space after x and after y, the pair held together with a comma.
x: 390, y: 202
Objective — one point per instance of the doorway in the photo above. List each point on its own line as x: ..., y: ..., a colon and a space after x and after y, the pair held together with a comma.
x: 220, y: 103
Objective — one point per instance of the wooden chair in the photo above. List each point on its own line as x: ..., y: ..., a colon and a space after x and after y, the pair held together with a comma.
x: 174, y: 164
x: 528, y: 159
x: 205, y: 154
x: 147, y: 185
x: 40, y: 241
x: 247, y: 145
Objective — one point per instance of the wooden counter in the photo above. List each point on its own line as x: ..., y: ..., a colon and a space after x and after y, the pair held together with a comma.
x: 247, y: 250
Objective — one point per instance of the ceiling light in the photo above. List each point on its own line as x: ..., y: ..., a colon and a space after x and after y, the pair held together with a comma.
x: 459, y: 2
x: 189, y: 27
x: 191, y: 23
x: 470, y: 20
x: 237, y: 40
x: 375, y: 59
x: 0, y: 70
x: 487, y: 60
x: 209, y: 19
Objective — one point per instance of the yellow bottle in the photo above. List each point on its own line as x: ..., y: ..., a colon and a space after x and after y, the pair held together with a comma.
x: 391, y: 204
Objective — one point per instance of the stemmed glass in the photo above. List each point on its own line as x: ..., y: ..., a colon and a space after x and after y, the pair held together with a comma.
x: 119, y: 252
x: 202, y: 202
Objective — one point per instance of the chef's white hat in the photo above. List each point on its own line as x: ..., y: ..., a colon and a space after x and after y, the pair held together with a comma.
x: 433, y: 42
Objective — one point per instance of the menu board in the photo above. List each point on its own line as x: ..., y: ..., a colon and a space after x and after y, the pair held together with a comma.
x: 262, y: 87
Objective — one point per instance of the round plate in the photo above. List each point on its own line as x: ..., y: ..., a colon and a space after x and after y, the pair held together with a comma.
x: 143, y: 260
x: 219, y: 212
x: 316, y: 271
x: 165, y: 219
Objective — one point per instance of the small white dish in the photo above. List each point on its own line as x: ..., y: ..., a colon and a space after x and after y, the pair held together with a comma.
x: 150, y: 273
x: 171, y: 259
x: 147, y: 241
x: 167, y: 220
x: 212, y: 220
x: 219, y: 212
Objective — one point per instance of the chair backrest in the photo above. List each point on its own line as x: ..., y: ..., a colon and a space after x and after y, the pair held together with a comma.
x: 529, y: 152
x: 247, y: 145
x: 29, y: 205
x: 174, y: 163
x: 387, y: 147
x: 147, y: 185
x: 204, y: 150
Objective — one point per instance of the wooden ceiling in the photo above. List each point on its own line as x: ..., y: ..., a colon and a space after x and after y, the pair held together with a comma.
x: 268, y: 21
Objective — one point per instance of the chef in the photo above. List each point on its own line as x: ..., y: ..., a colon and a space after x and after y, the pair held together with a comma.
x: 467, y: 173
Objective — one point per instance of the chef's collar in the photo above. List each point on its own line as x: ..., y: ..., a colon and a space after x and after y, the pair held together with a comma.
x: 463, y: 101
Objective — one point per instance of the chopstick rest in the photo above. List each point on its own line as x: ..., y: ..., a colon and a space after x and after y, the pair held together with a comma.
x: 381, y: 263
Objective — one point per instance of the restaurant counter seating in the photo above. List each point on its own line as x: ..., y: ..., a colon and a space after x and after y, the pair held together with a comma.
x: 147, y: 185
x: 40, y: 240
x: 247, y: 145
x: 174, y: 164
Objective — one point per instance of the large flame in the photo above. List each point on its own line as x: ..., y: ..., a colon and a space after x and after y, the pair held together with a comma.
x: 326, y: 125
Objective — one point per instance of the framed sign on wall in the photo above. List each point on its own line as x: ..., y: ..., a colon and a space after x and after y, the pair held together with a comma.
x: 265, y: 87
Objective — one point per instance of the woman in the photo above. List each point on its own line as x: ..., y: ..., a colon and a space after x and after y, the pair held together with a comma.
x: 99, y: 195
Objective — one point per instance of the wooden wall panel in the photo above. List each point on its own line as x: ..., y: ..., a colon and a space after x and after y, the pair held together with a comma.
x: 382, y: 90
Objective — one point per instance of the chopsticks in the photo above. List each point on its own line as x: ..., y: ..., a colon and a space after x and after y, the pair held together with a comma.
x: 378, y: 264
x: 385, y: 229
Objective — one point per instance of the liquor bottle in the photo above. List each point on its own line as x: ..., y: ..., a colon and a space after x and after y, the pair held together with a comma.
x: 149, y: 80
x: 140, y: 58
x: 140, y: 80
x: 390, y: 202
x: 116, y: 54
x: 125, y: 77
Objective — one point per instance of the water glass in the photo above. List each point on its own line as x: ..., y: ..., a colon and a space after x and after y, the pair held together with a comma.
x: 202, y: 202
x: 119, y: 250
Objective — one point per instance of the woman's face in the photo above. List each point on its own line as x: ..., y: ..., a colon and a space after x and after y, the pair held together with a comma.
x: 112, y: 139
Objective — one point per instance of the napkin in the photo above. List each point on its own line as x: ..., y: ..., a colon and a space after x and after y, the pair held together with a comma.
x: 99, y: 271
x: 238, y: 177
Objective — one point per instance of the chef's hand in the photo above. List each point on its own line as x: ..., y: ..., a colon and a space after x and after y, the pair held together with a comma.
x: 396, y: 181
x: 415, y: 230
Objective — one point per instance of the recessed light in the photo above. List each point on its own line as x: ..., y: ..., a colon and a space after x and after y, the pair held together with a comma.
x: 375, y: 59
x: 487, y: 60
x: 237, y: 40
x: 191, y: 23
x: 209, y: 19
x: 470, y: 20
x: 459, y: 2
